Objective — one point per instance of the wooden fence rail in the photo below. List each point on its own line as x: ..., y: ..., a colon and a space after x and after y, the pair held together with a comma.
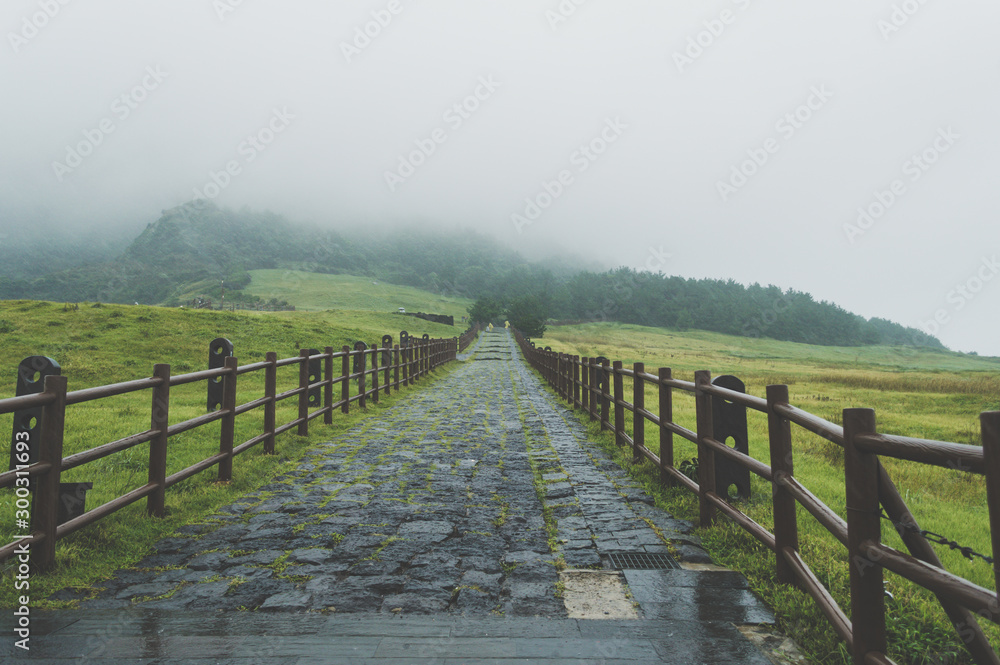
x: 402, y: 366
x: 596, y: 384
x: 466, y: 338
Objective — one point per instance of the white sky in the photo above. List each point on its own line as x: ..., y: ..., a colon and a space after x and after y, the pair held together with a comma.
x: 888, y: 94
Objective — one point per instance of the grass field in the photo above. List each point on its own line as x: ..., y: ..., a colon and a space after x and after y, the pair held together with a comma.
x: 926, y: 394
x: 313, y: 291
x: 935, y: 395
x: 102, y: 344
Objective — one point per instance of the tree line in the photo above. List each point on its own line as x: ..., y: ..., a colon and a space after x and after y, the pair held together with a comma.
x: 669, y: 301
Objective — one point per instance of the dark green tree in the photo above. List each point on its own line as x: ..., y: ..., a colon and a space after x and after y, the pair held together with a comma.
x: 486, y: 310
x: 528, y: 315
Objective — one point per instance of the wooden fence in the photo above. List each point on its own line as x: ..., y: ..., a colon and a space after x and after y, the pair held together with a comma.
x: 467, y: 337
x: 584, y: 384
x: 375, y: 370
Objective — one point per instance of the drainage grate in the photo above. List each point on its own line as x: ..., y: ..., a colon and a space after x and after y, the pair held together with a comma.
x: 641, y: 561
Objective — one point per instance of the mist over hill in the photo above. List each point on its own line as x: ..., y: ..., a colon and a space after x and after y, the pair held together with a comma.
x: 198, y: 247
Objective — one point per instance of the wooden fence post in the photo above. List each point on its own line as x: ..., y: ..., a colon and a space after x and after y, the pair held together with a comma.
x: 666, y: 396
x: 304, y: 395
x: 375, y: 372
x: 605, y: 395
x: 403, y: 369
x: 990, y: 424
x: 387, y: 365
x: 328, y: 385
x: 619, y: 409
x: 411, y: 360
x: 585, y: 386
x: 404, y: 363
x: 159, y: 421
x: 271, y: 407
x: 362, y: 383
x: 228, y: 430
x: 595, y: 390
x: 345, y: 384
x: 786, y: 530
x: 45, y: 514
x: 864, y: 529
x: 395, y: 367
x: 576, y: 382
x: 595, y: 386
x: 569, y: 378
x: 706, y: 457
x: 639, y: 405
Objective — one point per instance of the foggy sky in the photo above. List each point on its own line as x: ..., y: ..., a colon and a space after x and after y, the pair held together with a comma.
x: 620, y: 118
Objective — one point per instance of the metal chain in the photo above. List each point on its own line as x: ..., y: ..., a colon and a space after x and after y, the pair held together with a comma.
x: 967, y: 552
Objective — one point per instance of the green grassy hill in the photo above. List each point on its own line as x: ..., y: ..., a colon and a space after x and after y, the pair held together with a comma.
x: 313, y: 291
x: 196, y: 251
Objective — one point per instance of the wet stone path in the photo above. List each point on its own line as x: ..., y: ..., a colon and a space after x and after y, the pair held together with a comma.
x: 462, y: 502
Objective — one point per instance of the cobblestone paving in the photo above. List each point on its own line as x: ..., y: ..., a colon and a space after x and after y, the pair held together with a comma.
x: 599, y: 509
x: 429, y: 507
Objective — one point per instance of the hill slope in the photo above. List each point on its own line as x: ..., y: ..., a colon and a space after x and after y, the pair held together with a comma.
x: 199, y: 249
x: 314, y: 291
x: 198, y: 245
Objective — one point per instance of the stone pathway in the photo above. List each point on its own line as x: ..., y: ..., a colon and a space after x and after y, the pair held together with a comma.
x: 460, y: 504
x: 600, y: 510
